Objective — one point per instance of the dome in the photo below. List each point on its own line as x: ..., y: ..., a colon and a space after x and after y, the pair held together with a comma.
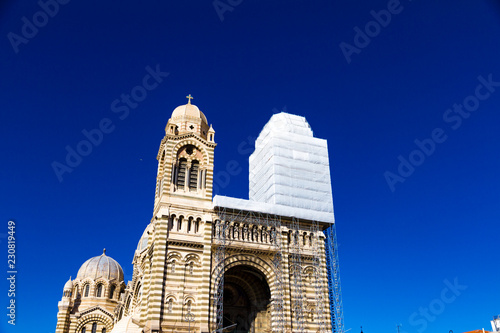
x: 188, y: 119
x: 188, y: 110
x: 68, y: 285
x: 101, y: 267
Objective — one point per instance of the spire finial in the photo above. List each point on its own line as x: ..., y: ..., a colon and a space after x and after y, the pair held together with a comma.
x: 189, y: 97
x: 104, y: 251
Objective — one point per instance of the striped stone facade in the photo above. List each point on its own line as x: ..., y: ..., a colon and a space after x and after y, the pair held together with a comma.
x: 173, y: 284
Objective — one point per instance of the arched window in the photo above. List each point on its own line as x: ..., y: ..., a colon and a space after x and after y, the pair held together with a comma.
x: 170, y: 305
x: 171, y: 222
x: 190, y: 224
x: 127, y: 307
x: 137, y: 293
x: 76, y: 293
x: 87, y: 289
x: 179, y: 223
x: 94, y: 328
x: 181, y: 173
x: 103, y: 330
x: 112, y: 291
x: 193, y: 176
x: 197, y: 226
x: 140, y: 295
x: 173, y: 266
x: 84, y: 329
x: 99, y: 290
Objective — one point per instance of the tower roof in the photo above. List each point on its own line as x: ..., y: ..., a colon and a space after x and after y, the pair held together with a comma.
x: 101, y: 267
x: 68, y: 285
x: 186, y: 119
x: 189, y: 111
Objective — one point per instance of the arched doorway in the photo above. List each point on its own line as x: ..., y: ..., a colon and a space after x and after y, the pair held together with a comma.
x: 247, y: 300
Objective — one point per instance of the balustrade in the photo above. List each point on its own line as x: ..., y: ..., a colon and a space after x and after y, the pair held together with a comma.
x: 245, y: 232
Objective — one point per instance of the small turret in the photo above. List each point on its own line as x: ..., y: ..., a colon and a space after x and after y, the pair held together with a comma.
x: 211, y: 134
x: 68, y: 287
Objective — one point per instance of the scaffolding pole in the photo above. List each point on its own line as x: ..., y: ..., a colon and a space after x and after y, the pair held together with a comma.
x: 318, y: 281
x: 333, y: 270
x: 279, y: 299
x: 297, y: 289
x: 220, y: 256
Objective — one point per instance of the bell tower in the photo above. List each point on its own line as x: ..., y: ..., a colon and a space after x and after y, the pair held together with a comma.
x: 173, y: 267
x: 186, y: 159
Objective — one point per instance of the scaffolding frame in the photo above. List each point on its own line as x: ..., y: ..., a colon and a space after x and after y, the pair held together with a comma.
x: 221, y: 240
x: 273, y: 223
x: 220, y: 257
x: 297, y: 288
x: 333, y: 271
x: 319, y: 291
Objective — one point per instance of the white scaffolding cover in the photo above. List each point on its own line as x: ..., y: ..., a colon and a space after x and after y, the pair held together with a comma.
x: 289, y: 172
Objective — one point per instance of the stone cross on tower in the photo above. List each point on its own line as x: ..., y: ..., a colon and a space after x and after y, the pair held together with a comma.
x: 189, y: 97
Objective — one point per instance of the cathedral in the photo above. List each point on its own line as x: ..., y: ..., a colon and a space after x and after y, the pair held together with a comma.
x: 221, y: 264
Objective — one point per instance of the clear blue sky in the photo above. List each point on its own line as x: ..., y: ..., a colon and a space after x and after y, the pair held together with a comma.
x: 397, y: 246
